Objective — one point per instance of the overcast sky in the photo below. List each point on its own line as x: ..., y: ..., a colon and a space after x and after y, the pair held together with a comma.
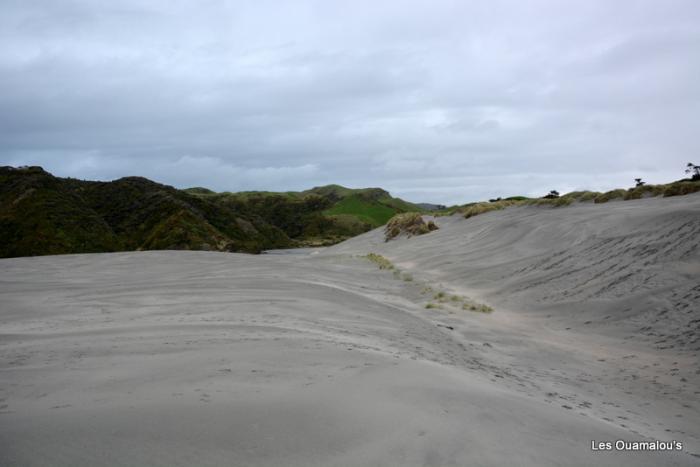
x: 439, y: 101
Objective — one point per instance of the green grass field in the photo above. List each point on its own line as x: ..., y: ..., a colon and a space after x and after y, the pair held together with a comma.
x: 372, y: 212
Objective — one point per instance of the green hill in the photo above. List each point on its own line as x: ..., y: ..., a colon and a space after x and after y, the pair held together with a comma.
x: 39, y: 214
x: 320, y: 216
x: 42, y: 214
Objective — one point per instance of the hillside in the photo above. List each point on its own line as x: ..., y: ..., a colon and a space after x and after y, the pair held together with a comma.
x: 41, y: 214
x: 320, y: 216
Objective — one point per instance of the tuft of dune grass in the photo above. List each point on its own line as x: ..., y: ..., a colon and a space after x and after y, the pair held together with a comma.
x: 582, y: 196
x: 380, y: 261
x: 610, y: 195
x: 410, y: 223
x: 477, y: 307
x: 475, y: 209
x: 681, y: 188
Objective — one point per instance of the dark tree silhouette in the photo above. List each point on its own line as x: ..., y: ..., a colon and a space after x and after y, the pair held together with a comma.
x: 639, y: 182
x: 552, y: 194
x: 693, y: 170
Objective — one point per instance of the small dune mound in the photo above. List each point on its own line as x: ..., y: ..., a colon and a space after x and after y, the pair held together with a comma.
x: 409, y: 223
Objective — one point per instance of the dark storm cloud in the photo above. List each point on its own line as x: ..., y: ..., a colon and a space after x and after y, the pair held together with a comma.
x: 443, y: 101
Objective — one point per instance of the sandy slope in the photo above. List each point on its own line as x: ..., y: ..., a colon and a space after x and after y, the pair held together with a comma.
x: 193, y: 358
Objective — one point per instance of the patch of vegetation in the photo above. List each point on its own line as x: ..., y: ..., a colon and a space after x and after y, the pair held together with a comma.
x: 442, y: 300
x: 375, y: 214
x: 440, y: 297
x: 380, y: 261
x: 643, y: 191
x: 610, y: 195
x: 582, y: 196
x: 407, y: 277
x: 682, y: 188
x: 409, y: 223
x: 198, y: 190
x: 554, y: 201
x: 475, y: 209
x: 477, y: 307
x: 430, y: 306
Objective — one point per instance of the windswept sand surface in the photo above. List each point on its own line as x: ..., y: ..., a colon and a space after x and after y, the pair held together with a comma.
x: 322, y: 359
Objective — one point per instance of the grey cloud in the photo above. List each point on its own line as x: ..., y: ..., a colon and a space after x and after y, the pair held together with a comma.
x: 440, y: 101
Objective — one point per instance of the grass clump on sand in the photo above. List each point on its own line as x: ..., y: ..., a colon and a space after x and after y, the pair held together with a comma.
x: 475, y: 209
x: 442, y: 300
x: 384, y: 263
x: 478, y: 307
x: 645, y: 191
x: 409, y: 223
x: 554, y: 202
x: 610, y: 195
x: 581, y: 196
x: 380, y: 261
x: 681, y: 188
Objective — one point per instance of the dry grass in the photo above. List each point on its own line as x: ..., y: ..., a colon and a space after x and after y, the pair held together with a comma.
x: 475, y: 209
x: 645, y: 191
x: 554, y: 202
x: 380, y: 261
x: 442, y: 299
x: 681, y: 188
x: 409, y: 223
x: 477, y: 307
x: 582, y: 196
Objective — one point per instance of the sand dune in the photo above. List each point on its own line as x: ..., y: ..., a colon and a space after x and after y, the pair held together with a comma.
x: 195, y: 358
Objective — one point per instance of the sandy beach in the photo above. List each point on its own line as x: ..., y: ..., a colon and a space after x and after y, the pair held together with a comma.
x: 320, y: 358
